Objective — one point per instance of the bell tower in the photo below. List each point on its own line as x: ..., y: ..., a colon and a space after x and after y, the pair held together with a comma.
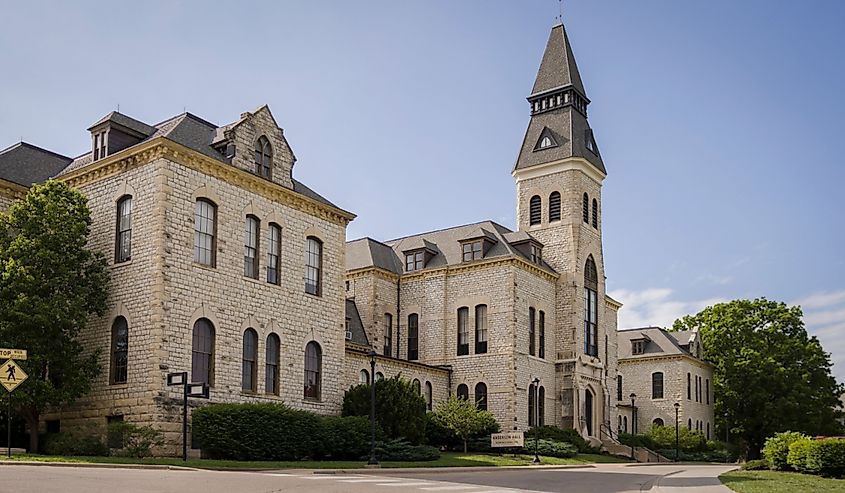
x: 559, y: 175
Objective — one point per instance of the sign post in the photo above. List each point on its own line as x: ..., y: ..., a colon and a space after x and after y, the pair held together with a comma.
x: 188, y: 390
x: 12, y: 376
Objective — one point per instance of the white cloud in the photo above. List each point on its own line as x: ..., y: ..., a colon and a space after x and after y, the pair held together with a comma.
x: 655, y: 306
x: 824, y: 316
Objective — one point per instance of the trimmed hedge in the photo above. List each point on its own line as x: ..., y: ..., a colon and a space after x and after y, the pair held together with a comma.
x: 400, y: 450
x: 776, y: 449
x: 756, y: 465
x: 550, y: 448
x: 797, y: 456
x: 74, y: 444
x: 826, y: 457
x: 345, y: 438
x: 567, y: 435
x: 706, y: 456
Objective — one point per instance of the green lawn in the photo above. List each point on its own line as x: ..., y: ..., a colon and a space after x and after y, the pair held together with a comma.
x: 780, y: 482
x: 447, y: 459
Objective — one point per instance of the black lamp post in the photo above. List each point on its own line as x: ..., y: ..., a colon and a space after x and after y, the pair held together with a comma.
x: 373, y: 461
x: 633, y: 424
x: 677, y: 407
x: 536, y: 383
x: 727, y: 430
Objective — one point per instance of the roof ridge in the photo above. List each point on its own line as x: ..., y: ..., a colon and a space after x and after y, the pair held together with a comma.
x: 441, y: 230
x: 34, y: 147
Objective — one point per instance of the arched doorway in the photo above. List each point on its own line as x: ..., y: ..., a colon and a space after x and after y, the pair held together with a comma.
x: 588, y: 411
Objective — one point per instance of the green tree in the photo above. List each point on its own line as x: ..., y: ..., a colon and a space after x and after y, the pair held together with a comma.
x: 400, y: 408
x: 50, y: 283
x: 463, y: 418
x: 769, y: 375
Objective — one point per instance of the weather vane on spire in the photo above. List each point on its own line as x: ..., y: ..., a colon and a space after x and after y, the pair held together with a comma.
x: 560, y: 8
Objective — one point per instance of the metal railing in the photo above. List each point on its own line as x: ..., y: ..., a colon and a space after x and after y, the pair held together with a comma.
x: 606, y: 430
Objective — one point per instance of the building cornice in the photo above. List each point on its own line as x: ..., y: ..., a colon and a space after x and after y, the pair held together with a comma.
x: 12, y: 190
x: 666, y: 357
x: 568, y: 164
x: 455, y: 269
x: 161, y: 147
x: 377, y: 271
x: 361, y: 350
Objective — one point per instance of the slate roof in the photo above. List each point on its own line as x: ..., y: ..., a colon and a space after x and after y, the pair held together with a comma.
x: 366, y: 252
x: 359, y: 335
x: 660, y: 342
x: 26, y: 164
x: 558, y: 68
x: 125, y: 121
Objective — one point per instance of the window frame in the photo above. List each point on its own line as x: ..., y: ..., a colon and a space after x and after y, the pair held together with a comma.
x: 388, y: 335
x: 595, y: 215
x: 414, y: 261
x: 585, y: 213
x: 272, y: 385
x: 657, y: 385
x: 312, y: 389
x: 249, y: 361
x: 472, y: 250
x: 201, y: 234
x: 274, y: 254
x: 317, y: 284
x: 462, y: 392
x: 591, y: 321
x: 541, y: 332
x: 119, y: 358
x: 123, y: 230
x: 208, y: 374
x: 252, y: 241
x: 532, y: 344
x: 413, y: 337
x: 463, y: 331
x: 264, y: 158
x: 429, y: 396
x: 481, y: 329
x: 554, y: 206
x: 535, y: 210
x: 480, y: 402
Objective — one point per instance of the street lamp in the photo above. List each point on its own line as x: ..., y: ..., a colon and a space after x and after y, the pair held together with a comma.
x: 373, y: 462
x: 677, y: 407
x: 727, y: 430
x: 633, y: 424
x: 536, y: 383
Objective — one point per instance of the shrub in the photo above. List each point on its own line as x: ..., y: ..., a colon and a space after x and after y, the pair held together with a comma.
x: 463, y: 418
x: 688, y: 440
x: 65, y: 443
x: 400, y: 408
x: 551, y: 448
x: 567, y: 435
x: 637, y: 440
x: 706, y: 456
x: 756, y: 465
x: 400, y: 450
x: 797, y: 456
x: 826, y: 457
x: 256, y: 431
x: 345, y: 438
x: 776, y: 449
x: 134, y: 440
x: 438, y: 435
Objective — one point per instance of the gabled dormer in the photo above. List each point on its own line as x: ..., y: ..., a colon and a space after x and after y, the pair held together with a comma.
x: 639, y: 344
x: 417, y: 255
x: 476, y: 245
x: 528, y: 246
x: 116, y: 132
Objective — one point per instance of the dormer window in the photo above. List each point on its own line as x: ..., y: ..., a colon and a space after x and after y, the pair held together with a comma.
x: 263, y: 157
x: 473, y: 250
x: 414, y: 261
x: 638, y: 346
x: 536, y: 254
x: 100, y: 148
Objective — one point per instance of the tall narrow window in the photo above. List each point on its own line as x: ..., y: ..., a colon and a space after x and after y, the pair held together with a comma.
x: 480, y: 329
x: 250, y: 357
x: 263, y: 157
x: 202, y: 352
x: 554, y: 206
x: 595, y: 213
x: 689, y: 386
x: 532, y: 315
x: 271, y: 364
x: 585, y: 213
x: 205, y: 231
x: 463, y: 392
x: 388, y: 334
x: 481, y: 395
x: 463, y: 331
x: 689, y: 424
x: 119, y: 350
x: 274, y: 253
x: 542, y: 347
x: 535, y: 210
x: 541, y: 406
x: 251, y: 247
x: 416, y: 384
x: 591, y: 333
x: 657, y: 385
x: 313, y: 369
x: 123, y: 246
x: 313, y: 265
x: 707, y: 391
x: 428, y: 396
x: 413, y: 337
x: 364, y: 377
x: 531, y: 397
x: 618, y: 387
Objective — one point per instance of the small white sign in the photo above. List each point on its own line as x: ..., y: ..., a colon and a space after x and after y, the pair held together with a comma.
x: 512, y: 439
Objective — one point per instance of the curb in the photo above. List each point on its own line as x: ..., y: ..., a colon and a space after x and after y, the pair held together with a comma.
x: 97, y: 465
x: 445, y: 470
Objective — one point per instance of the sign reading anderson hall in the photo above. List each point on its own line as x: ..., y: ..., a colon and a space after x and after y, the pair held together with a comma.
x: 512, y: 439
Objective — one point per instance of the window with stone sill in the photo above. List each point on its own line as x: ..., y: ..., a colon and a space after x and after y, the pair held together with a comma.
x: 249, y: 361
x: 313, y: 371
x: 205, y: 232
x: 251, y: 239
x: 119, y: 351
x: 413, y: 337
x: 274, y: 254
x: 313, y: 265
x: 480, y: 329
x: 463, y: 331
x: 123, y: 240
x: 263, y: 157
x: 271, y: 364
x: 473, y: 250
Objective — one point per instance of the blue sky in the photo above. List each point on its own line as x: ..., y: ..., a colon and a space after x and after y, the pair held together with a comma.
x: 720, y: 122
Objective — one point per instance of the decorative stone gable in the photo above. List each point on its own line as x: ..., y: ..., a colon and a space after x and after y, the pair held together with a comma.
x: 247, y: 131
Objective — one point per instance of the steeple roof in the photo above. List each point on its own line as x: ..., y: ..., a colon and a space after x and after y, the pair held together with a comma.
x: 558, y: 68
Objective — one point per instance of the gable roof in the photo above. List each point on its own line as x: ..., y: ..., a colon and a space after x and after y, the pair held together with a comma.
x: 26, y: 164
x: 659, y: 342
x: 126, y: 122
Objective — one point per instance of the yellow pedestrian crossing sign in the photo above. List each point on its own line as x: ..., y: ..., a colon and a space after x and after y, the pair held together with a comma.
x: 12, y: 375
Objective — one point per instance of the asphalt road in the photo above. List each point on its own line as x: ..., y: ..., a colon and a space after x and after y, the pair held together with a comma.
x: 610, y: 478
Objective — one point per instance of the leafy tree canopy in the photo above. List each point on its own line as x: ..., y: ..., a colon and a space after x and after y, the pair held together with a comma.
x: 769, y: 374
x: 400, y: 408
x: 463, y: 418
x: 50, y: 283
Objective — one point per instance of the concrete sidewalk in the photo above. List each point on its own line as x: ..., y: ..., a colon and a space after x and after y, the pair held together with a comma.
x: 697, y: 478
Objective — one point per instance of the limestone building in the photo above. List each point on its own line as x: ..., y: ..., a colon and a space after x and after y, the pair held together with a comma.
x: 663, y: 368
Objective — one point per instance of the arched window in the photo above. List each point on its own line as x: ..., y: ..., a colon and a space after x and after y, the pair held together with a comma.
x: 657, y: 422
x: 313, y: 265
x: 205, y: 232
x: 463, y: 392
x: 531, y: 411
x: 707, y: 390
x: 271, y: 364
x: 585, y: 204
x: 379, y: 376
x: 202, y: 352
x: 123, y: 237
x: 119, y: 350
x: 689, y: 386
x: 274, y: 253
x: 625, y: 424
x: 708, y: 430
x: 541, y: 406
x: 481, y: 395
x: 463, y: 331
x: 313, y: 370
x: 545, y: 141
x: 542, y: 325
x: 554, y: 206
x: 416, y: 384
x: 618, y: 387
x: 428, y: 395
x: 689, y: 424
x: 388, y: 334
x: 364, y: 377
x: 480, y: 329
x: 619, y: 427
x: 263, y: 157
x: 532, y: 314
x: 251, y: 247
x: 591, y: 311
x: 250, y: 357
x: 413, y: 337
x: 595, y: 213
x: 657, y: 385
x: 535, y: 212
